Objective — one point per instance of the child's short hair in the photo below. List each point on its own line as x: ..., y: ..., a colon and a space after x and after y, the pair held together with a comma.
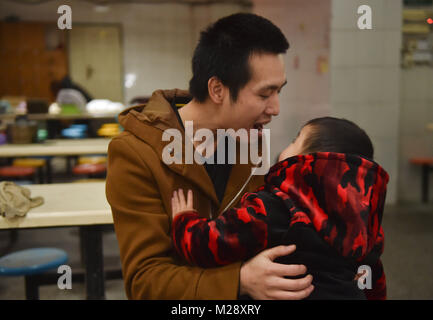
x: 330, y: 134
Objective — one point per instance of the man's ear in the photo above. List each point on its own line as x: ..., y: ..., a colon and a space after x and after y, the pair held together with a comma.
x: 217, y: 90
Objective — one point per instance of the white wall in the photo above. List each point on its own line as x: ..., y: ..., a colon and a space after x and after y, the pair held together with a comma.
x: 306, y: 95
x: 365, y: 76
x: 362, y: 83
x: 416, y: 109
x: 415, y: 139
x: 158, y: 39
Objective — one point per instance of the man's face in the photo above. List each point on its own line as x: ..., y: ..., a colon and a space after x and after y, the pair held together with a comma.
x: 258, y: 100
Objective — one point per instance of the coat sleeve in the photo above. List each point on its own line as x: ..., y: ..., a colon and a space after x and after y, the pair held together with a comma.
x: 237, y: 234
x: 142, y: 226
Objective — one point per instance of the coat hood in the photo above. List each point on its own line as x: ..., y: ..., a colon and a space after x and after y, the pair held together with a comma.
x: 340, y: 195
x: 148, y: 123
x: 157, y: 113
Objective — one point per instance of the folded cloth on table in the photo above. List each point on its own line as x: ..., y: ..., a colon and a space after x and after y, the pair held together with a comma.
x: 15, y: 200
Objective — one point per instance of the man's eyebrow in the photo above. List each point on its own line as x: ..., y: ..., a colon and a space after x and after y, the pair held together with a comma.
x: 274, y: 87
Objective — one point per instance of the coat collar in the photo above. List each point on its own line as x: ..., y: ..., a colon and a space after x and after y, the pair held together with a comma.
x: 148, y: 122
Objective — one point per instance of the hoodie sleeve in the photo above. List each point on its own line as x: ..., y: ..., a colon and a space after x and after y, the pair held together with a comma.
x: 378, y: 290
x: 378, y: 279
x: 236, y: 235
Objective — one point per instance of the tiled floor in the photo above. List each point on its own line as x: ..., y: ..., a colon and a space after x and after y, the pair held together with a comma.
x: 408, y: 256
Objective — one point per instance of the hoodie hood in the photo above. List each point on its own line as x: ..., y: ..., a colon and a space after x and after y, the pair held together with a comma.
x: 340, y: 195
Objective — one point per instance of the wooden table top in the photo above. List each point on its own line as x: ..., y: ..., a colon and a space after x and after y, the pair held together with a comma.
x: 422, y: 161
x: 57, y: 147
x: 65, y: 204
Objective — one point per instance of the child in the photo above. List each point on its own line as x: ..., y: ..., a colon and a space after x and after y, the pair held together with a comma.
x: 325, y: 195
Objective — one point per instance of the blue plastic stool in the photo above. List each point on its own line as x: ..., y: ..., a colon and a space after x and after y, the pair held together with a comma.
x: 23, y: 182
x: 32, y: 262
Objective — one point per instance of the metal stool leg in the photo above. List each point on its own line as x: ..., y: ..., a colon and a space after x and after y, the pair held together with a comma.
x: 13, y: 236
x: 48, y: 170
x: 425, y: 186
x: 32, y: 288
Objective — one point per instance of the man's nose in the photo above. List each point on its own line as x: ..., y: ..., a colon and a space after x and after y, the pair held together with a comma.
x: 274, y: 106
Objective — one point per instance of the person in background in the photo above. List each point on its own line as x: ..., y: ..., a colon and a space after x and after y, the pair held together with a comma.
x: 325, y: 195
x: 67, y: 83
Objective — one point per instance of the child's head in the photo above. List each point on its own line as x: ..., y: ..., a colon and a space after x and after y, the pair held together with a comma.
x: 330, y: 134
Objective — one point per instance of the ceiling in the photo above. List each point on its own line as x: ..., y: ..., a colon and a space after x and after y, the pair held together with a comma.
x: 101, y: 2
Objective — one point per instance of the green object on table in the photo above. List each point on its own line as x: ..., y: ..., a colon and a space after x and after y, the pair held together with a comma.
x: 70, y: 109
x: 42, y: 134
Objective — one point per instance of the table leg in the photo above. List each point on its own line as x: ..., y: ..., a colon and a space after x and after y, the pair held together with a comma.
x: 91, y: 237
x: 40, y: 175
x: 48, y: 170
x: 69, y: 166
x: 425, y: 186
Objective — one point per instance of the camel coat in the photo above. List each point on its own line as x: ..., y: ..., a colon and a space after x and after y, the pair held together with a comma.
x: 139, y: 189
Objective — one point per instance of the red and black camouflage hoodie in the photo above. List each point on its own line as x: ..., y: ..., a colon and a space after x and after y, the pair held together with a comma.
x: 329, y: 204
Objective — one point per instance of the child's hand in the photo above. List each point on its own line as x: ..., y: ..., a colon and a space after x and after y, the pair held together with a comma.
x: 178, y: 204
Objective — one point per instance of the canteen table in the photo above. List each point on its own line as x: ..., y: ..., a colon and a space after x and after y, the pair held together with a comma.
x: 73, y: 204
x: 56, y: 147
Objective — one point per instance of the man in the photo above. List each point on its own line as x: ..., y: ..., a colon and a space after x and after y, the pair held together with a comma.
x: 238, y: 71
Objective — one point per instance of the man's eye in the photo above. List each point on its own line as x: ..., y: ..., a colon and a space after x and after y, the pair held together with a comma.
x: 264, y: 96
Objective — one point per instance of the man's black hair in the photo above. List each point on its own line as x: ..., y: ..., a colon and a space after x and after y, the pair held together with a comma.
x: 225, y: 47
x: 330, y: 134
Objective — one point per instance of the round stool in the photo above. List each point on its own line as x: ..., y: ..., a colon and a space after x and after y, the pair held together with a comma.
x: 109, y: 130
x: 88, y: 180
x: 31, y: 262
x: 90, y: 169
x: 23, y: 182
x: 17, y: 172
x: 92, y: 160
x: 28, y: 162
x: 36, y: 163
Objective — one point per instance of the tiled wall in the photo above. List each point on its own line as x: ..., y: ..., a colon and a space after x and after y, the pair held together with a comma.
x: 306, y: 95
x: 158, y: 39
x: 415, y: 139
x: 365, y: 76
x: 360, y: 83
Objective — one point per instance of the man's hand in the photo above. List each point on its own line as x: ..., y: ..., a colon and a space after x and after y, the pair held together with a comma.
x: 263, y: 279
